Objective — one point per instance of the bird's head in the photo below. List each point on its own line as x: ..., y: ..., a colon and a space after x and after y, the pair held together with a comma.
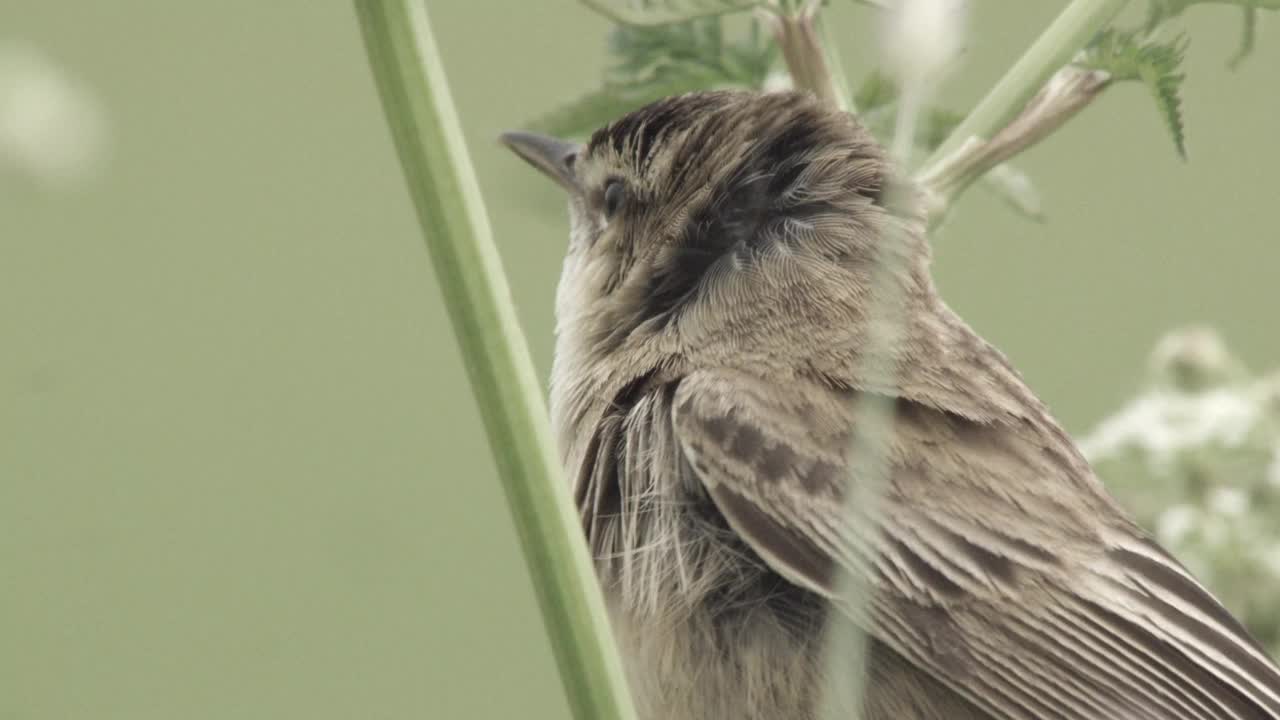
x: 725, y: 222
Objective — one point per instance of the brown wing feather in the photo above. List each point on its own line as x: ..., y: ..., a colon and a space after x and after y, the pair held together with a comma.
x: 999, y: 564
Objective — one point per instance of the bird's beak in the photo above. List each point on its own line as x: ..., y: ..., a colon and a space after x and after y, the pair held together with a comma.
x: 552, y: 156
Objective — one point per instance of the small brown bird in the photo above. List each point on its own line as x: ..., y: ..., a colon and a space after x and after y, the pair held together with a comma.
x: 715, y: 338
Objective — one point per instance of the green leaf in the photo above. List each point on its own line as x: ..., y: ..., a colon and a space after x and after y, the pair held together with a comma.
x: 936, y: 126
x: 656, y: 62
x: 1162, y: 11
x: 1124, y: 56
x: 650, y: 13
x: 876, y: 91
x: 1248, y: 34
x: 696, y: 46
x: 1159, y: 11
x: 598, y: 108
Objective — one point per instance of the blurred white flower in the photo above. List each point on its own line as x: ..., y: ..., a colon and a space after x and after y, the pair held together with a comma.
x: 1194, y: 358
x: 52, y: 128
x: 777, y: 81
x: 923, y: 38
x: 1215, y: 531
x: 1196, y: 457
x: 1175, y: 523
x: 1271, y: 558
x: 1162, y: 422
x: 1228, y: 501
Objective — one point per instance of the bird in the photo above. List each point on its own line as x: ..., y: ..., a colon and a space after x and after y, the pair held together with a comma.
x: 746, y: 274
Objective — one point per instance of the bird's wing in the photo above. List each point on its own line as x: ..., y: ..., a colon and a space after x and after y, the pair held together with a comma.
x: 999, y: 565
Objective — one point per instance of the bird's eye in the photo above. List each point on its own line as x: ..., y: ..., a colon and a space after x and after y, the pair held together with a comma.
x: 614, y: 194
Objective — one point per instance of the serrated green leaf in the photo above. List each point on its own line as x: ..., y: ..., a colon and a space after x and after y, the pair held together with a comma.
x: 653, y: 13
x: 575, y: 119
x: 656, y: 62
x: 599, y: 107
x: 1165, y: 87
x: 695, y: 47
x: 1125, y: 57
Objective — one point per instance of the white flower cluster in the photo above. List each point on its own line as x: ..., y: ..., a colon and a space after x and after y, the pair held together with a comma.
x: 1197, y: 459
x: 1163, y: 422
x: 923, y: 38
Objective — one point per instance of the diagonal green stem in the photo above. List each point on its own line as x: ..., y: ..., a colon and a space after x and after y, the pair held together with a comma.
x: 415, y: 96
x: 1072, y: 29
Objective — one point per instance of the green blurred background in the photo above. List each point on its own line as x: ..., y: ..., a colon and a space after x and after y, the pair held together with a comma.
x: 240, y: 470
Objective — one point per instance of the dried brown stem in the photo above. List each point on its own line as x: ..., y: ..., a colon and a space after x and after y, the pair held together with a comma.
x: 1068, y: 92
x: 808, y: 60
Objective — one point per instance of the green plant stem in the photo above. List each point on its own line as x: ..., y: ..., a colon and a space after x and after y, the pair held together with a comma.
x: 415, y: 97
x: 1069, y: 91
x: 1072, y: 29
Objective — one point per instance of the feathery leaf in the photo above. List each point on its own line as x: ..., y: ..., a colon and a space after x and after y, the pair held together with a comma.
x: 657, y: 62
x: 1125, y: 56
x: 1161, y: 11
x: 652, y: 13
x: 1248, y: 34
